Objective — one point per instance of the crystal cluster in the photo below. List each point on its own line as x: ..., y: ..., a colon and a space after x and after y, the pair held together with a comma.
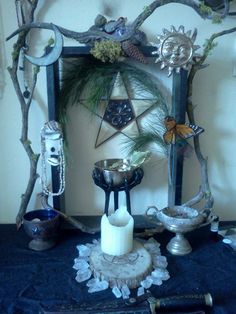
x: 94, y: 284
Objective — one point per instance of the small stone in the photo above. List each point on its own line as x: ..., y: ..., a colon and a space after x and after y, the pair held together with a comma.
x: 80, y: 264
x: 98, y: 286
x: 116, y: 291
x: 125, y: 291
x: 36, y: 219
x: 147, y: 282
x: 83, y: 250
x: 83, y: 275
x: 140, y: 291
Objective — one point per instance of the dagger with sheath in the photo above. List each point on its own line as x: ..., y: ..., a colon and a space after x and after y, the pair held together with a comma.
x: 145, y: 304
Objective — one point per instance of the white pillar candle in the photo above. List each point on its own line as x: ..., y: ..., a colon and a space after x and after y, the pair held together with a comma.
x: 117, y: 232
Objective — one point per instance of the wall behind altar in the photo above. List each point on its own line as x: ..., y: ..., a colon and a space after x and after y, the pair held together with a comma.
x: 214, y: 98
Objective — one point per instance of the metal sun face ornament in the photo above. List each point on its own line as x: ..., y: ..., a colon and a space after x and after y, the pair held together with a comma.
x: 176, y: 49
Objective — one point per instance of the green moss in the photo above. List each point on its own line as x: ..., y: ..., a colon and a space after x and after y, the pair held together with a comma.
x: 147, y: 9
x: 107, y: 51
x: 216, y: 18
x: 15, y: 54
x: 205, y: 9
x: 208, y: 46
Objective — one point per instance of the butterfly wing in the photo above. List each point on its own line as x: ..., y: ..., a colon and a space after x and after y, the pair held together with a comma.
x: 188, y: 130
x: 182, y: 130
x: 170, y: 123
x: 169, y: 136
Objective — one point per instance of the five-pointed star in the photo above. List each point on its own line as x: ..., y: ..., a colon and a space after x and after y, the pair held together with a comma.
x: 121, y: 113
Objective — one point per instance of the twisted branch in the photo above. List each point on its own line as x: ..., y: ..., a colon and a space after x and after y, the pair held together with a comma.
x: 205, y: 191
x: 93, y: 35
x: 25, y: 106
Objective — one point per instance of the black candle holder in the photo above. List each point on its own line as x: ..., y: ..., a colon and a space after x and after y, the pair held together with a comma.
x: 116, y: 181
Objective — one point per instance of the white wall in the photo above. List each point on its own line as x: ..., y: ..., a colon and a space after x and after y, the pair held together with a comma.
x: 214, y: 97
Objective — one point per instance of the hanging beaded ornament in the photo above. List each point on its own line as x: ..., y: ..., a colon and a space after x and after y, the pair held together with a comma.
x: 52, y: 154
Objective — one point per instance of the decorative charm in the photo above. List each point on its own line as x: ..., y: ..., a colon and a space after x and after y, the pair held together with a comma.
x: 175, y: 130
x: 53, y: 55
x: 133, y: 51
x: 120, y: 113
x: 52, y: 154
x: 176, y: 49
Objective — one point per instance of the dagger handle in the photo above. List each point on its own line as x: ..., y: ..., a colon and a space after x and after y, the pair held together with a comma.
x: 183, y: 302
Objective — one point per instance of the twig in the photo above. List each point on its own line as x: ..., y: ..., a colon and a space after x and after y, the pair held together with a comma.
x: 74, y: 222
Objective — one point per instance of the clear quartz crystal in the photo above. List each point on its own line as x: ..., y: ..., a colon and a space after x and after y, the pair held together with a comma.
x: 90, y: 245
x: 83, y: 250
x: 98, y: 286
x: 160, y: 273
x: 83, y: 275
x: 125, y: 291
x: 116, y: 291
x: 92, y: 282
x: 159, y: 261
x: 147, y: 282
x: 80, y: 264
x: 152, y: 246
x: 140, y: 291
x: 156, y: 281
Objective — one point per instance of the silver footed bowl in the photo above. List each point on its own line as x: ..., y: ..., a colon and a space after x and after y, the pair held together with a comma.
x: 179, y: 219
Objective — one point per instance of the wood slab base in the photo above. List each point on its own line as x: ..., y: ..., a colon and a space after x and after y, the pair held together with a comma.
x: 127, y: 269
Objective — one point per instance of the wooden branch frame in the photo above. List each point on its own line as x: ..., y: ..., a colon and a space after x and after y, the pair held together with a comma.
x: 179, y: 94
x: 28, y: 23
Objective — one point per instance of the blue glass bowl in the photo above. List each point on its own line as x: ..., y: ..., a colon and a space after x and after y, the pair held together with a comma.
x: 42, y: 225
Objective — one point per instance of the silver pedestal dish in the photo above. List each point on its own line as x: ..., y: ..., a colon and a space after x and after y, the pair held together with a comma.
x: 180, y: 220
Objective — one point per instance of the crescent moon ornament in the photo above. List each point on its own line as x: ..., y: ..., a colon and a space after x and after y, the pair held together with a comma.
x: 53, y: 55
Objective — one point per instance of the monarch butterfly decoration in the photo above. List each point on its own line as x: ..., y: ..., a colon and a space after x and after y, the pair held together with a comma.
x: 175, y: 131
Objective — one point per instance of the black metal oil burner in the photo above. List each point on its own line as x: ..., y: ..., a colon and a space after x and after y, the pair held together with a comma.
x: 116, y: 180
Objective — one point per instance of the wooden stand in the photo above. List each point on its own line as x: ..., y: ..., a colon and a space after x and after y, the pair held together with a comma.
x: 129, y: 269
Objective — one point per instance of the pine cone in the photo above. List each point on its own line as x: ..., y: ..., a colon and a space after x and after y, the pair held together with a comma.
x: 132, y: 51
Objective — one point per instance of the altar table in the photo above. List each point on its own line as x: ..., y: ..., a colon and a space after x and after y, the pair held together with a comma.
x: 41, y: 282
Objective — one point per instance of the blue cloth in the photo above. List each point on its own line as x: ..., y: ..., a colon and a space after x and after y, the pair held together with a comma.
x: 30, y: 280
